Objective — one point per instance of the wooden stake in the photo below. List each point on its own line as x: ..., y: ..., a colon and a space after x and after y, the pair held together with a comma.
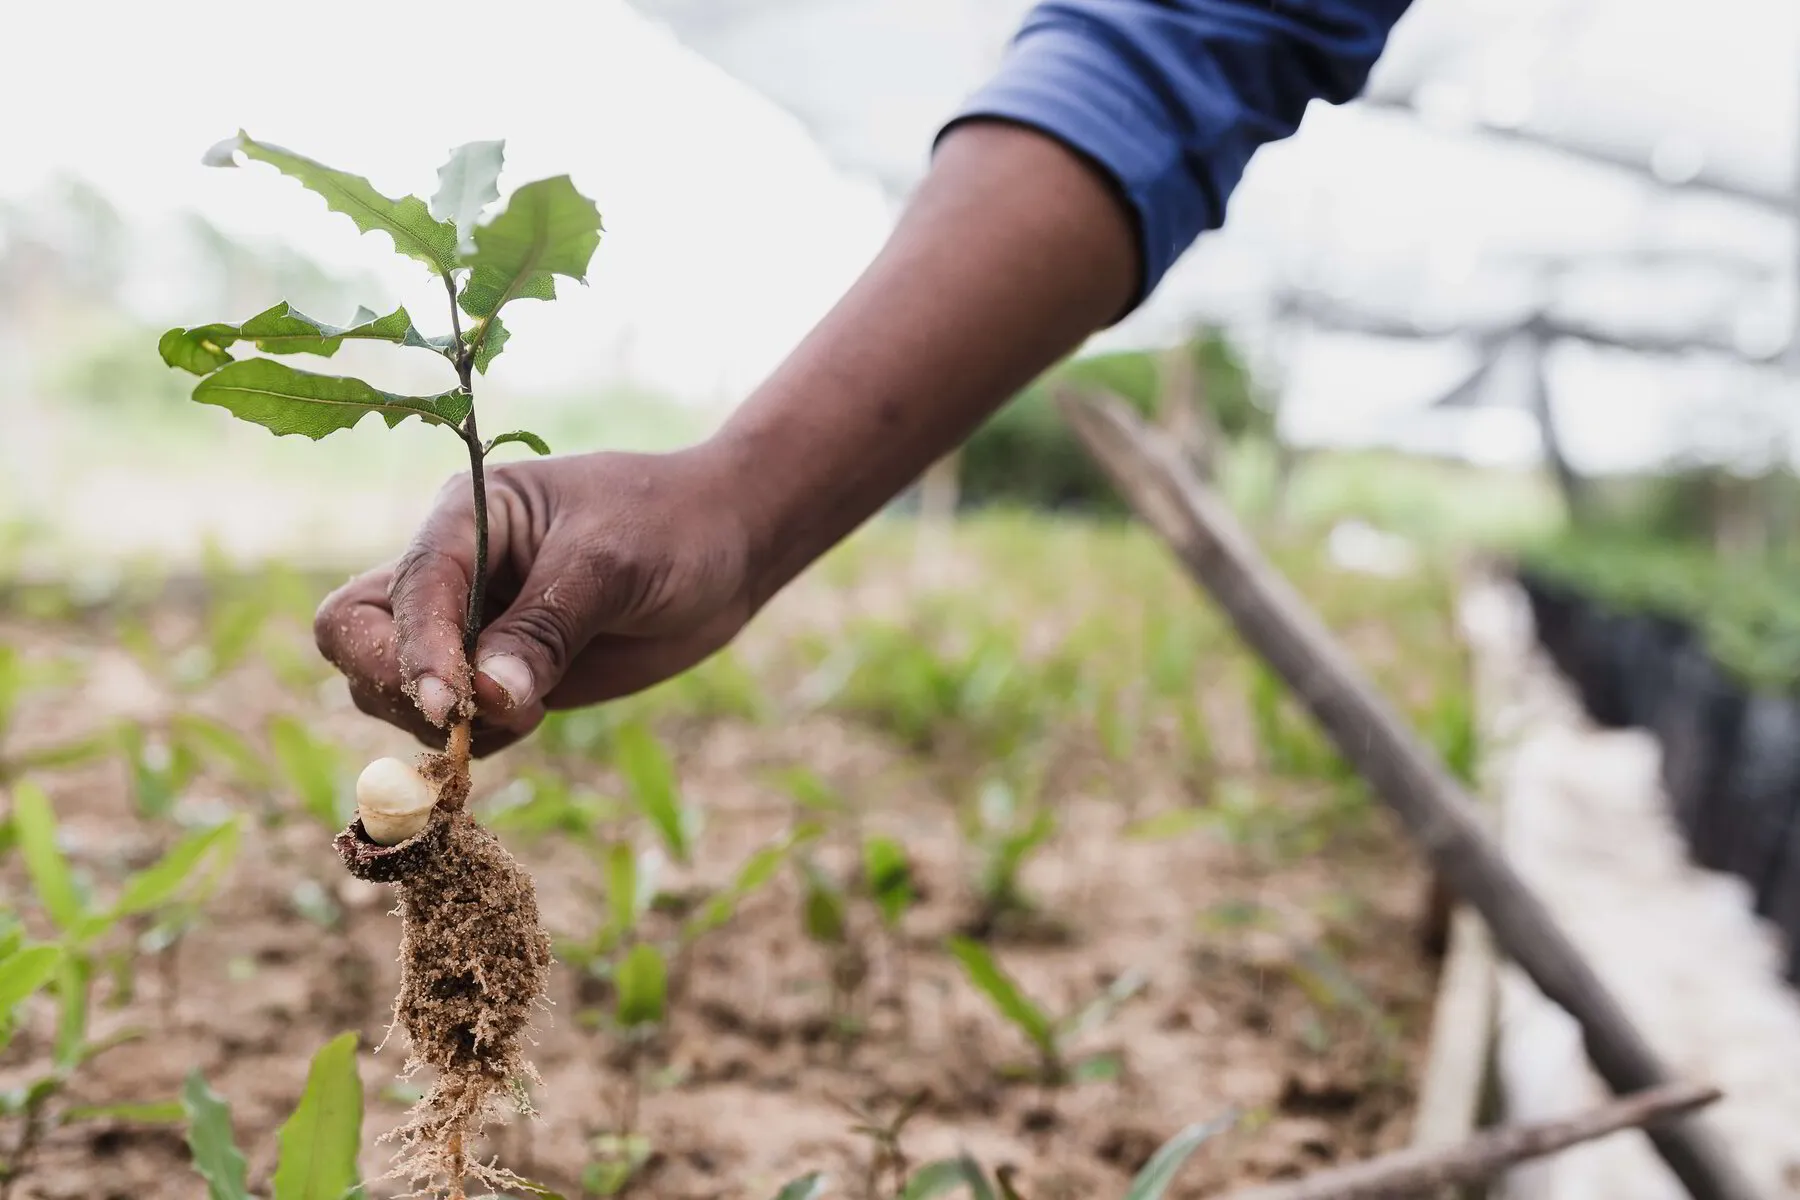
x: 1421, y: 1171
x: 1405, y: 772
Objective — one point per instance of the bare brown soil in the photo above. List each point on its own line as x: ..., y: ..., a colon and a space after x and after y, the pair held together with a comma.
x: 1309, y: 1022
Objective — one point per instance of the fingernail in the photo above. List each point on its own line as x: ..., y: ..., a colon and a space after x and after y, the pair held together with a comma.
x: 435, y: 699
x: 513, y: 676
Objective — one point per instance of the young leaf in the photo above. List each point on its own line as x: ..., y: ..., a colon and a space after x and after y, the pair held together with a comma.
x: 642, y: 982
x: 630, y: 886
x: 407, y: 221
x: 313, y: 768
x: 284, y: 400
x: 1000, y: 988
x: 522, y: 436
x: 153, y: 1112
x: 282, y: 329
x: 807, y: 1187
x: 154, y: 886
x: 651, y: 777
x: 1100, y: 1009
x: 547, y: 229
x: 225, y: 744
x: 757, y: 871
x: 319, y: 1142
x: 489, y: 338
x: 1157, y: 1174
x: 945, y: 1176
x: 468, y: 182
x: 74, y: 975
x: 822, y: 911
x: 888, y: 875
x: 35, y: 826
x: 209, y: 1138
x: 24, y: 971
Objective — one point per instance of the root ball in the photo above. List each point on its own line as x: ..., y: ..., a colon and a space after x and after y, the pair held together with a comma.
x: 475, y: 964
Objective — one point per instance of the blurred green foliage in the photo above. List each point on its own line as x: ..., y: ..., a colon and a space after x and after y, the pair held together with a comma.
x: 1026, y: 456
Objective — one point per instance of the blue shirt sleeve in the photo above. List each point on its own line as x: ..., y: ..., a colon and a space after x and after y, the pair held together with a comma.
x: 1171, y: 97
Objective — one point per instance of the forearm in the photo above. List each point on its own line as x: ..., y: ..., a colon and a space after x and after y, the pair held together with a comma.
x: 1010, y: 254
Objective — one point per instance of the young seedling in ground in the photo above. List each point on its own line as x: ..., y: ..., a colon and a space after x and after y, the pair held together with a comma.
x: 887, y: 1159
x: 191, y: 868
x: 475, y: 959
x: 1049, y: 1036
x: 1006, y: 834
x: 887, y: 880
x: 825, y: 918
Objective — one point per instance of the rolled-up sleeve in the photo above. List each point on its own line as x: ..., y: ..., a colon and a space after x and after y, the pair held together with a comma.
x: 1170, y: 98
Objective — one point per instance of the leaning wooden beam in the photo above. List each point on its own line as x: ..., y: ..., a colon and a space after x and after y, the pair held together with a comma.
x: 1272, y: 618
x: 1418, y: 1171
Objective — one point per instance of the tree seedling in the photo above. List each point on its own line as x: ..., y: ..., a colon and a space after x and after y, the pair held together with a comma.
x: 319, y: 1142
x: 191, y: 868
x: 1051, y: 1037
x: 887, y: 880
x: 472, y: 973
x: 887, y: 1158
x: 825, y: 919
x: 1005, y: 834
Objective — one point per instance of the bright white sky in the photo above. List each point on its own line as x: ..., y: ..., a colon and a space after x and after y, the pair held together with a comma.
x: 727, y: 231
x: 730, y: 231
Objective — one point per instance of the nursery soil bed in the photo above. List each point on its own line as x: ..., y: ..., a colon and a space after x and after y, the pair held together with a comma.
x: 1309, y: 1020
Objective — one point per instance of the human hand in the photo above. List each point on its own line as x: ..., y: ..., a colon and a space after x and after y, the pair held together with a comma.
x: 607, y: 573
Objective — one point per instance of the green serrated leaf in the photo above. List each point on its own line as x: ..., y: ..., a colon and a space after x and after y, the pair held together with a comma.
x: 209, y: 1138
x: 547, y: 229
x: 651, y: 777
x: 156, y: 885
x: 35, y: 826
x: 945, y: 1176
x: 642, y: 983
x: 489, y: 339
x: 319, y: 1142
x: 25, y: 971
x: 1000, y: 988
x: 407, y: 221
x: 522, y: 436
x: 807, y: 1187
x: 284, y: 400
x: 468, y: 182
x: 282, y: 329
x: 1157, y: 1174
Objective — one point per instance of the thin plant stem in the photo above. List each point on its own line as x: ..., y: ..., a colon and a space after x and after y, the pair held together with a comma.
x: 464, y: 358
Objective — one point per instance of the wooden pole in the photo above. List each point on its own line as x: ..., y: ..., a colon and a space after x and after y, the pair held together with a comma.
x: 1272, y: 618
x: 1419, y: 1172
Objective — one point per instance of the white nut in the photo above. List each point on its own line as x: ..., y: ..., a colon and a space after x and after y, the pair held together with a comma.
x: 393, y: 800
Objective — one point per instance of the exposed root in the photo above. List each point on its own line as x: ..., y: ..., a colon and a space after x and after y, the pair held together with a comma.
x: 475, y: 963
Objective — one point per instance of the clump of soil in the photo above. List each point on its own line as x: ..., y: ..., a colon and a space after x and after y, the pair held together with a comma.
x: 474, y: 966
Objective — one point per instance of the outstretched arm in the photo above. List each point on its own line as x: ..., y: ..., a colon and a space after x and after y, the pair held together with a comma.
x: 1056, y: 200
